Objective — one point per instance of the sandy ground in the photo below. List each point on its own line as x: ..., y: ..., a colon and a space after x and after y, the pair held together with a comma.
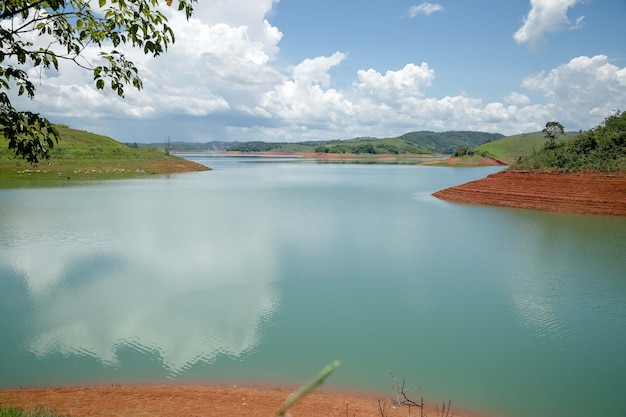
x: 214, y: 401
x: 579, y: 192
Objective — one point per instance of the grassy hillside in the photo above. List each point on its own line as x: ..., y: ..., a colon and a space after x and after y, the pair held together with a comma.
x: 446, y: 142
x: 602, y: 148
x: 84, y: 155
x: 510, y: 148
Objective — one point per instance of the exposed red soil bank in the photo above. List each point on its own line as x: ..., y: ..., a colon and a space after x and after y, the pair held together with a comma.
x: 579, y: 192
x: 190, y: 401
x: 468, y: 162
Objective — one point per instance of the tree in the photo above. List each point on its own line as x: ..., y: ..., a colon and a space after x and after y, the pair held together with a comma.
x: 551, y: 132
x: 69, y: 27
x: 462, y: 150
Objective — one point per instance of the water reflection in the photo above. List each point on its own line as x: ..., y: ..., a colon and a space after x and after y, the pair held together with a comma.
x: 502, y: 310
x: 149, y: 274
x: 552, y: 246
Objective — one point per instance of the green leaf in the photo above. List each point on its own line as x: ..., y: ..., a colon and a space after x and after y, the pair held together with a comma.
x: 307, y: 388
x: 72, y: 25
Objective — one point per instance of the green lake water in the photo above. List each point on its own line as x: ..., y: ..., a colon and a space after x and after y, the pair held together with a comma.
x: 267, y: 269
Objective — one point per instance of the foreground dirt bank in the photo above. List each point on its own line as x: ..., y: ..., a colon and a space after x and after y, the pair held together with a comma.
x: 580, y: 192
x: 192, y: 400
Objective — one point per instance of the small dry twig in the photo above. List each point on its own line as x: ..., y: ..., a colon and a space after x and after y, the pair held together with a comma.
x: 445, y: 412
x: 383, y: 408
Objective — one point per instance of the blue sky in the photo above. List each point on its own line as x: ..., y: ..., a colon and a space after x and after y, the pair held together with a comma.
x: 294, y: 70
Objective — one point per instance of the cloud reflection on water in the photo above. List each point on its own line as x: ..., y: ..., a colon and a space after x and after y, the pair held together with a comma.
x: 147, y: 275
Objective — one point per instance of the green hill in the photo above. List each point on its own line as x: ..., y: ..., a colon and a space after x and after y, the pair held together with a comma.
x: 424, y: 142
x: 181, y: 146
x: 84, y: 155
x: 447, y: 142
x: 602, y: 148
x: 363, y: 146
x: 510, y: 148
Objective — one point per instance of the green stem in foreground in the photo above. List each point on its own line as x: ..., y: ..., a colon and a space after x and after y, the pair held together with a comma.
x: 305, y: 389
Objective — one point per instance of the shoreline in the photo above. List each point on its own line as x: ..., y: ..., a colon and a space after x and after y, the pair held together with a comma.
x: 405, y: 159
x: 216, y: 400
x: 584, y: 192
x: 415, y: 159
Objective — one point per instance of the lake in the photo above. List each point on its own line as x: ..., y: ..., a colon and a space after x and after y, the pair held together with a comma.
x: 267, y: 269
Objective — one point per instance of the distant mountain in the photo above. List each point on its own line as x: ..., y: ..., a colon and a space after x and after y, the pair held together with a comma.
x: 179, y: 146
x: 423, y: 142
x: 351, y: 146
x: 446, y: 142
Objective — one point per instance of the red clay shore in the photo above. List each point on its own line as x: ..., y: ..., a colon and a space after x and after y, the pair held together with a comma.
x: 195, y: 400
x: 577, y: 192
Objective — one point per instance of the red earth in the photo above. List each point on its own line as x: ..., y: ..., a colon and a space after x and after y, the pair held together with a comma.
x: 577, y: 192
x: 196, y: 400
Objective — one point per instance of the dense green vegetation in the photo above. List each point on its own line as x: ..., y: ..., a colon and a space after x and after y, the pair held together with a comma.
x: 602, y: 148
x: 395, y: 146
x: 354, y: 146
x: 84, y: 155
x: 447, y: 142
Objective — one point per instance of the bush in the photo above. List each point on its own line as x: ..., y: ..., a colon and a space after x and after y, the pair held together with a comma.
x: 462, y: 151
x: 603, y: 148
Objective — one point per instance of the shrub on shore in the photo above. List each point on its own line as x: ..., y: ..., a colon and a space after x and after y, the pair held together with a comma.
x: 602, y: 148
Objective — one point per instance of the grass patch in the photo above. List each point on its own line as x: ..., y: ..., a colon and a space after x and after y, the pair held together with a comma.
x: 18, y: 412
x: 82, y: 155
x: 510, y: 148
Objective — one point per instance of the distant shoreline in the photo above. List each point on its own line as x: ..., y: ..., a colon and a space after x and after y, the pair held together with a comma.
x: 340, y: 156
x: 407, y: 159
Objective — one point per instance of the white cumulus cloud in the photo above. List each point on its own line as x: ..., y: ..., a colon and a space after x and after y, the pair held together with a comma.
x: 516, y: 98
x: 545, y: 16
x: 394, y: 85
x: 225, y: 79
x: 425, y: 8
x: 583, y: 89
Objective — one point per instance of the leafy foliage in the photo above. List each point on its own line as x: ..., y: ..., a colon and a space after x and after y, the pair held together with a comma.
x: 255, y: 146
x: 552, y: 131
x: 462, y: 150
x: 69, y: 27
x: 603, y: 148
